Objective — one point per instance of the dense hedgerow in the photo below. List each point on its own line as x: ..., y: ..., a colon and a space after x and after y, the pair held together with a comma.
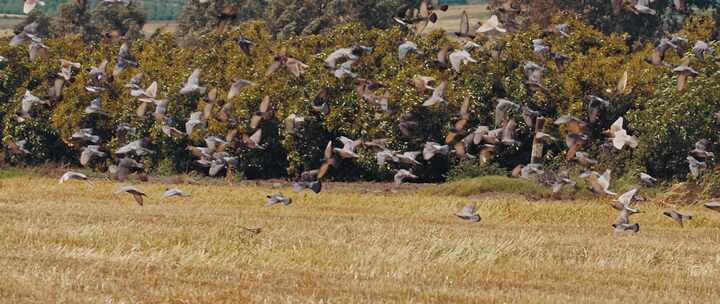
x: 666, y: 121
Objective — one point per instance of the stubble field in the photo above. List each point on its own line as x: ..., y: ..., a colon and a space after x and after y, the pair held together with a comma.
x: 77, y: 243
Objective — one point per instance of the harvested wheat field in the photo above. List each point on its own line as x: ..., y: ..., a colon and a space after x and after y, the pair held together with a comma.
x: 80, y: 243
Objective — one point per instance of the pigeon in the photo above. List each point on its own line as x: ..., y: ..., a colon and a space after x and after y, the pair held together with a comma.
x: 468, y: 213
x: 701, y: 48
x: 253, y: 141
x: 345, y: 71
x: 626, y: 228
x: 124, y: 59
x: 661, y: 49
x: 684, y: 72
x: 236, y: 87
x: 696, y: 166
x: 90, y: 152
x: 148, y: 95
x: 599, y: 183
x: 407, y: 124
x: 385, y: 156
x: 647, y: 180
x: 594, y: 105
x: 320, y: 102
x: 423, y: 83
x: 531, y: 171
x: 348, y: 149
x: 244, y: 44
x: 700, y: 150
x: 72, y: 175
x: 619, y: 136
x: 508, y: 133
x: 350, y: 53
x: 136, y: 147
x: 137, y: 194
x: 97, y: 78
x: 85, y: 135
x: 192, y: 85
x: 66, y: 68
x: 574, y: 142
x: 314, y: 186
x: 502, y: 111
x: 277, y: 198
x: 437, y: 96
x: 464, y: 31
x: 431, y: 149
x: 491, y: 26
x: 17, y: 147
x: 95, y: 107
x: 28, y: 33
x: 134, y: 83
x: 28, y: 102
x: 640, y: 7
x: 221, y: 161
x: 293, y: 123
x: 293, y: 66
x: 406, y: 48
x: 417, y: 19
x: 540, y: 47
x: 194, y: 120
x: 402, y: 175
x: 124, y: 168
x: 573, y: 124
x: 584, y: 159
x: 678, y: 217
x: 562, y: 29
x: 409, y: 158
x: 327, y: 161
x: 459, y: 58
x: 714, y: 206
x: 30, y: 5
x: 264, y: 113
x: 463, y: 118
x: 624, y: 201
x: 622, y: 85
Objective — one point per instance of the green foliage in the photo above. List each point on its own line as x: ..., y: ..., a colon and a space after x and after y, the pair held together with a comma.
x: 118, y: 20
x: 666, y: 121
x: 218, y: 15
x: 600, y: 14
x: 104, y: 20
x: 472, y: 169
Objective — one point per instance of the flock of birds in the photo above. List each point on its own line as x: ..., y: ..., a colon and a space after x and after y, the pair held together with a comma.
x: 340, y: 62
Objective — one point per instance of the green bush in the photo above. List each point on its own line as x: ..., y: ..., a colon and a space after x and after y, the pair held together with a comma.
x: 654, y: 111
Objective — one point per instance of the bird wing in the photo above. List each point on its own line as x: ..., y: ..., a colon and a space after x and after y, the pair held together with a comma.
x: 328, y: 150
x: 257, y: 136
x: 273, y: 67
x: 464, y: 23
x: 138, y: 198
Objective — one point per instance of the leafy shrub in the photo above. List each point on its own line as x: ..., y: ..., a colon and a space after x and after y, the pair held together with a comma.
x: 472, y: 169
x: 597, y: 63
x: 489, y: 185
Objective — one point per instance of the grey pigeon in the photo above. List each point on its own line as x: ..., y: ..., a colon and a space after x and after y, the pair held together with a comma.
x: 192, y: 85
x: 137, y: 194
x: 468, y: 213
x: 277, y: 198
x: 678, y: 217
x: 174, y: 192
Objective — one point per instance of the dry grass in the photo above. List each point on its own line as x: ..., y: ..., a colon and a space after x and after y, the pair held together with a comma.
x: 82, y: 244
